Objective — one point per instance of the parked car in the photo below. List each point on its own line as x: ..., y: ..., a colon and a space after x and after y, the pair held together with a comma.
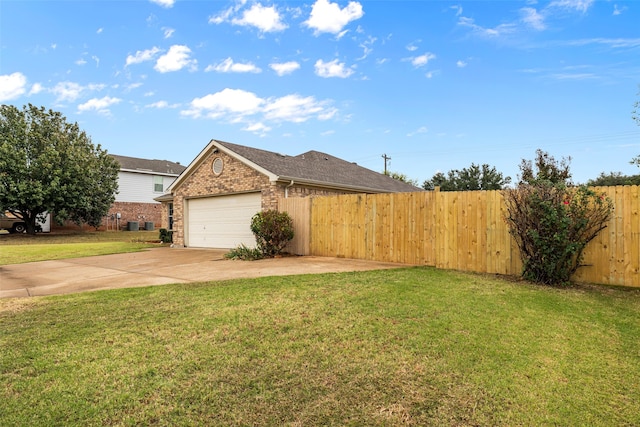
x: 13, y: 224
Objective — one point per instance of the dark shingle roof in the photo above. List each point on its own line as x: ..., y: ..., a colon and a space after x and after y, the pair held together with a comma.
x: 320, y: 168
x: 146, y: 165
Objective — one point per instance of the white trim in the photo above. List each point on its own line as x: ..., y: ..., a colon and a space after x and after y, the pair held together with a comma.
x: 148, y: 172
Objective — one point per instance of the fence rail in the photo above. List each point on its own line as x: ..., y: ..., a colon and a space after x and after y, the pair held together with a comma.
x: 462, y: 230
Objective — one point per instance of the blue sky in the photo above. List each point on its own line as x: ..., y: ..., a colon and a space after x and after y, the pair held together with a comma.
x: 435, y: 85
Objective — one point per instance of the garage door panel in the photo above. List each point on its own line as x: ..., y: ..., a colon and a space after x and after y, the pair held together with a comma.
x: 222, y: 222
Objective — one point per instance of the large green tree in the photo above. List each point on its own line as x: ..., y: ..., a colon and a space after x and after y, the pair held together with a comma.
x: 50, y: 165
x: 475, y: 177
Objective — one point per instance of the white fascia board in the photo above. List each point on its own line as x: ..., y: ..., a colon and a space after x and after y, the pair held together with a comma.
x: 148, y: 172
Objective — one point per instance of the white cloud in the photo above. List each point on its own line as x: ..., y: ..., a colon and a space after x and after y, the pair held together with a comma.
x: 228, y: 66
x: 67, y: 91
x: 142, y: 56
x: 573, y: 76
x: 332, y: 69
x: 226, y: 14
x: 36, y: 88
x: 532, y: 18
x: 132, y: 86
x: 461, y: 63
x: 293, y: 108
x: 99, y: 105
x: 70, y: 91
x: 412, y: 46
x: 266, y: 19
x: 422, y: 60
x: 258, y: 128
x: 168, y: 32
x: 239, y: 106
x: 161, y: 105
x: 285, y: 67
x: 497, y: 31
x: 12, y: 86
x: 577, y: 5
x: 99, y: 31
x: 613, y: 43
x: 176, y: 59
x: 234, y: 102
x: 458, y: 9
x: 327, y: 17
x: 164, y: 3
x: 420, y: 130
x: 618, y: 10
x: 367, y: 47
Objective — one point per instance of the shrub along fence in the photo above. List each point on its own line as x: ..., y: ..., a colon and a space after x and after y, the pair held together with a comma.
x: 463, y: 230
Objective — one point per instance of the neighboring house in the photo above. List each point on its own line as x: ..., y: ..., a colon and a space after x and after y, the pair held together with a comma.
x: 211, y: 203
x: 139, y: 182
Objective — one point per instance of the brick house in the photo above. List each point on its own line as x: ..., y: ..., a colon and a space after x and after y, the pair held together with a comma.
x: 139, y: 182
x: 211, y: 203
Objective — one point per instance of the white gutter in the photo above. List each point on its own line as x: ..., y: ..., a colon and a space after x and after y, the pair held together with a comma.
x: 347, y: 187
x: 286, y: 189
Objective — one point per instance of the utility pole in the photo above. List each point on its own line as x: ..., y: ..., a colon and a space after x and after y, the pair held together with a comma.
x: 385, y: 157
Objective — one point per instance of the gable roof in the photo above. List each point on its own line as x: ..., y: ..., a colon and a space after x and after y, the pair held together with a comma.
x: 310, y: 168
x: 158, y: 167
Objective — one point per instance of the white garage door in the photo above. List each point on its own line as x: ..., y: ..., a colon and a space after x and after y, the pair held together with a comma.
x: 222, y: 222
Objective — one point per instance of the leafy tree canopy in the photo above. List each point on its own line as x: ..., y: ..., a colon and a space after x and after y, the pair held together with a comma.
x: 614, y: 178
x: 49, y: 165
x: 545, y: 168
x: 475, y: 177
x: 401, y: 177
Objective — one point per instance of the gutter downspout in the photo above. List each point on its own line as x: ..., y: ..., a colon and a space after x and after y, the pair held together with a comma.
x: 286, y: 190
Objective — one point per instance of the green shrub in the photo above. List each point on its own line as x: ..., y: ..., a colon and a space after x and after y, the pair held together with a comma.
x: 552, y: 224
x: 244, y: 253
x: 273, y: 230
x: 166, y: 236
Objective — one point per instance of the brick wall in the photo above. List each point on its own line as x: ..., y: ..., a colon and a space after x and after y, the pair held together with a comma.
x: 236, y: 177
x: 141, y: 212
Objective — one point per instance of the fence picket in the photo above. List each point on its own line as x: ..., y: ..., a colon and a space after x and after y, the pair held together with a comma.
x: 456, y: 230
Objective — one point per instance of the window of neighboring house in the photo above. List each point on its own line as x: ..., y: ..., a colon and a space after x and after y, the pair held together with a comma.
x: 170, y: 216
x: 158, y: 186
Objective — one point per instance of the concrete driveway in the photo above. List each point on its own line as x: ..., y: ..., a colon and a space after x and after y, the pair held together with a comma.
x: 158, y: 266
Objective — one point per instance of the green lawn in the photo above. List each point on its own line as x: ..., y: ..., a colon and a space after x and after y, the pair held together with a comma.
x: 21, y: 248
x: 413, y: 346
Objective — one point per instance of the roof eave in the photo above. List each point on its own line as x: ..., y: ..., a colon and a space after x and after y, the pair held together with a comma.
x: 148, y: 172
x: 164, y: 198
x: 336, y: 186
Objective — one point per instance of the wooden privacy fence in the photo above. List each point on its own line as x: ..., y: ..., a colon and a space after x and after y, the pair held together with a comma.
x: 462, y: 230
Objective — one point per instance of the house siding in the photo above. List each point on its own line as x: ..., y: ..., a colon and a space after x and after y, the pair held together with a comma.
x: 138, y: 187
